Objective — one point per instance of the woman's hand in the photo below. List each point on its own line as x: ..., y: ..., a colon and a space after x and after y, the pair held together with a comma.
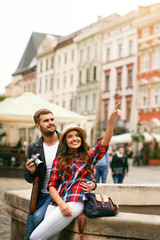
x: 65, y: 209
x: 87, y: 186
x: 116, y: 114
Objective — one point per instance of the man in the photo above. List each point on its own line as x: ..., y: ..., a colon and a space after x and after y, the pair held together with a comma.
x: 48, y: 148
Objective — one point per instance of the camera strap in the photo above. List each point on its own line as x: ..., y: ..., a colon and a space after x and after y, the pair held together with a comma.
x: 34, y: 196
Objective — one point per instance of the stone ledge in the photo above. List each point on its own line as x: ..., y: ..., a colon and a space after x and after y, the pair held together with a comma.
x: 122, y: 226
x: 132, y: 194
x: 18, y: 199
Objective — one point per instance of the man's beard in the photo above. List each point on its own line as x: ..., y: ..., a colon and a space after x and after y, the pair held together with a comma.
x: 47, y: 133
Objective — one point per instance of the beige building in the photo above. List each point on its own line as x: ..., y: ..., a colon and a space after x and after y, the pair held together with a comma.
x: 45, y: 68
x: 119, y: 67
x: 148, y: 71
x: 65, y: 73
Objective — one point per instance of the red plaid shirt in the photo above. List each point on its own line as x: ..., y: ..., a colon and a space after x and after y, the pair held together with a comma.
x: 69, y: 187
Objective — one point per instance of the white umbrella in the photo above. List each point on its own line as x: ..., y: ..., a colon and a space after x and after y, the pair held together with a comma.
x: 156, y: 137
x: 21, y: 110
x: 127, y: 138
x: 122, y: 138
x: 147, y: 137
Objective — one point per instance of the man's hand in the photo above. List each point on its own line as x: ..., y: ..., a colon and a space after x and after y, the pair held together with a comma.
x: 88, y: 186
x: 30, y: 166
x: 65, y: 209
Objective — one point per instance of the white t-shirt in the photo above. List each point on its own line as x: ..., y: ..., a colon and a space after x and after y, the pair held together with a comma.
x: 50, y: 153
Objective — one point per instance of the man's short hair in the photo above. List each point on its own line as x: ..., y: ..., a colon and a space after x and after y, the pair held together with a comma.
x: 39, y: 113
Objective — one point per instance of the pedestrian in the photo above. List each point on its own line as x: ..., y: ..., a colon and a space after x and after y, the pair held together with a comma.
x: 74, y: 164
x: 48, y: 148
x: 102, y: 168
x: 130, y: 154
x: 119, y: 165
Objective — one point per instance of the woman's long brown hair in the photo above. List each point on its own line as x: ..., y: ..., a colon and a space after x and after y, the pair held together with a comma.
x: 66, y: 155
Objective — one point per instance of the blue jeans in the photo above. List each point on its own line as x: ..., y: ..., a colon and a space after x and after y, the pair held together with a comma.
x: 101, y: 171
x: 118, y: 178
x: 34, y: 220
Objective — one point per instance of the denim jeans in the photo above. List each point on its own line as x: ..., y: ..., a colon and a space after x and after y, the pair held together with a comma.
x: 101, y: 171
x: 118, y: 178
x: 34, y: 220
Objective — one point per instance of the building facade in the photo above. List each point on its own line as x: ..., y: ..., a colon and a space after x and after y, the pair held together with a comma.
x: 119, y: 65
x: 148, y: 71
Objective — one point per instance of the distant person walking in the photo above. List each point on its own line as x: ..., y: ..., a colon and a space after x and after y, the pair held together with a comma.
x: 119, y: 165
x: 102, y: 168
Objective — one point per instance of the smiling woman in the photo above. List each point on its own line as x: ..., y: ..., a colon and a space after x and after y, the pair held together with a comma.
x: 73, y: 140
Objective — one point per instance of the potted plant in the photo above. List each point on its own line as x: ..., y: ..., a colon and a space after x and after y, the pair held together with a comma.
x: 154, y: 157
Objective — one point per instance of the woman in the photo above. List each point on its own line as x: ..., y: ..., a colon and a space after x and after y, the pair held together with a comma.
x: 73, y: 166
x: 119, y: 165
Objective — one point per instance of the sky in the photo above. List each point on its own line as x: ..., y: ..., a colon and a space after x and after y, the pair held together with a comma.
x: 19, y: 18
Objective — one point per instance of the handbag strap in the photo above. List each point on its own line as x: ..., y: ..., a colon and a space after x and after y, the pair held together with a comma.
x: 102, y: 199
x: 81, y: 223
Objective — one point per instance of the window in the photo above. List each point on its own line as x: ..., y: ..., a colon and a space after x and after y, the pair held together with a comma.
x: 59, y: 60
x: 145, y: 32
x: 145, y: 62
x: 47, y: 64
x: 58, y: 83
x: 155, y: 96
x: 72, y: 56
x: 119, y: 50
x: 94, y: 73
x: 51, y: 83
x: 157, y: 28
x: 87, y: 75
x: 46, y: 84
x: 106, y: 109
x: 80, y: 77
x: 108, y: 54
x: 78, y: 104
x: 41, y: 66
x: 65, y: 58
x: 107, y: 82
x: 119, y: 80
x: 63, y: 104
x: 52, y: 62
x: 130, y: 78
x: 40, y: 85
x: 81, y: 56
x: 88, y: 53
x: 71, y: 104
x: 128, y: 110
x: 156, y: 59
x: 130, y: 47
x: 144, y: 98
x: 33, y: 87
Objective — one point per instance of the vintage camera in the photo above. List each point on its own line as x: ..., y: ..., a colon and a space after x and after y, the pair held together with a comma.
x: 35, y: 159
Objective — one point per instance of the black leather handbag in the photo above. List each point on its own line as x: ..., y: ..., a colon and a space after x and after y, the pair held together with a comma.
x: 100, y: 205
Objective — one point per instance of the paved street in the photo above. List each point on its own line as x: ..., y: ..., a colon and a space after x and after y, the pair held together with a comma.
x: 137, y: 175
